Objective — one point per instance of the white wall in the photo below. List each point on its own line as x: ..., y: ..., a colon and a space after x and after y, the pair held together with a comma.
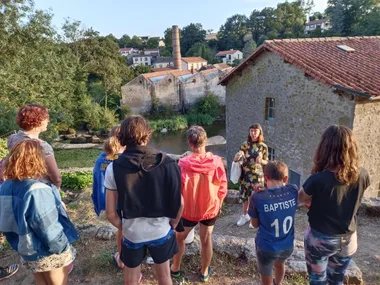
x: 144, y: 60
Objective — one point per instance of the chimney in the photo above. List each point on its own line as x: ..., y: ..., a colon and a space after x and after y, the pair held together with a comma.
x: 176, y: 48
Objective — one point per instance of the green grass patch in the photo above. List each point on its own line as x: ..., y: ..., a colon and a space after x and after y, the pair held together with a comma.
x: 76, y: 181
x: 76, y: 157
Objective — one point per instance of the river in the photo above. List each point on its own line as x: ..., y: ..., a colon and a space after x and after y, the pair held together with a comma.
x: 176, y: 142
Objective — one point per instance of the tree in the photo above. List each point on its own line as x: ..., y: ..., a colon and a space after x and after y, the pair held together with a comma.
x: 152, y: 43
x: 136, y: 42
x: 370, y: 25
x: 316, y: 16
x: 191, y: 34
x: 231, y: 34
x: 141, y: 69
x: 249, y: 47
x: 204, y: 51
x: 168, y: 39
x: 347, y: 15
x: 125, y: 41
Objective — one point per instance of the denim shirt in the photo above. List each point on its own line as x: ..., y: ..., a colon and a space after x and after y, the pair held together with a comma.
x: 33, y: 219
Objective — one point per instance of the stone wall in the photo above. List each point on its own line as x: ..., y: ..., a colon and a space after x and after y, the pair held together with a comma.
x: 304, y: 108
x: 166, y: 91
x: 367, y: 132
x: 137, y: 95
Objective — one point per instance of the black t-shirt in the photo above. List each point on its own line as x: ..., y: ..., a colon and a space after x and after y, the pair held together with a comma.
x: 325, y: 214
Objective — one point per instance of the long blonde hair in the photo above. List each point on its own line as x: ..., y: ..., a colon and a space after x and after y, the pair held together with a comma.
x: 338, y: 152
x: 25, y: 160
x: 111, y: 144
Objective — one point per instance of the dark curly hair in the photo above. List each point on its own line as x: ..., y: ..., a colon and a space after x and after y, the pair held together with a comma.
x: 134, y: 131
x: 31, y: 116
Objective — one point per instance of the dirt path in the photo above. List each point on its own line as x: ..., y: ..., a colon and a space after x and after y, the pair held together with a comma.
x: 93, y: 264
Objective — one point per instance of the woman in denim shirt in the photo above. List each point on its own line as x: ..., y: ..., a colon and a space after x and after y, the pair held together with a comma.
x: 32, y: 217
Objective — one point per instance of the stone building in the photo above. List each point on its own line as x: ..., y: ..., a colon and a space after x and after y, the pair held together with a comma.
x: 297, y: 88
x: 178, y: 88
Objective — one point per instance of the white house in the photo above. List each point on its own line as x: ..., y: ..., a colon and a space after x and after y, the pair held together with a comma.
x: 141, y: 59
x: 323, y: 24
x: 152, y: 52
x: 163, y: 62
x: 126, y: 51
x: 192, y: 63
x: 228, y: 56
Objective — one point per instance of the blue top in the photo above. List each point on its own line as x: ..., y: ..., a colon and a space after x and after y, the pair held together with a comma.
x: 98, y: 190
x: 33, y: 219
x: 275, y: 208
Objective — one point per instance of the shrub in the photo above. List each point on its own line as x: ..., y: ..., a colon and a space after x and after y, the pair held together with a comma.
x: 124, y: 111
x: 207, y: 105
x: 171, y: 124
x: 3, y: 148
x: 76, y: 181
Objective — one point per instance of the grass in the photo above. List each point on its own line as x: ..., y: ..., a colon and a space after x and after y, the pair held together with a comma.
x: 67, y: 158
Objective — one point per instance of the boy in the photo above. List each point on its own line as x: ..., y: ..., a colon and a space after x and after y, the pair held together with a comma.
x: 273, y: 211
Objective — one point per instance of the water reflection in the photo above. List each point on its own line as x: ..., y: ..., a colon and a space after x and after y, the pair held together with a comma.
x: 176, y: 143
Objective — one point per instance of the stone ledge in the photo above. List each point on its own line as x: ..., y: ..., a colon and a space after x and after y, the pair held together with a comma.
x: 370, y: 207
x: 232, y: 197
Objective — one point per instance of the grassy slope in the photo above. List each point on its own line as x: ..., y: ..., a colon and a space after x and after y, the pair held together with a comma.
x: 76, y: 157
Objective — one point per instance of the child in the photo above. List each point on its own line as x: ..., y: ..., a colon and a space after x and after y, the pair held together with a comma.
x: 204, y: 187
x: 273, y: 211
x: 32, y: 216
x: 112, y: 148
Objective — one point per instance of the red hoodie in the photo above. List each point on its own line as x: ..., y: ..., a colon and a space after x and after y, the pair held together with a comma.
x: 204, y: 186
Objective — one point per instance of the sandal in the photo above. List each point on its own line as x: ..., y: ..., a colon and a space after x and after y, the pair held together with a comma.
x: 204, y: 278
x: 9, y: 271
x: 116, y: 260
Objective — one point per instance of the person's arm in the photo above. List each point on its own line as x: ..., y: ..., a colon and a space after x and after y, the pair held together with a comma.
x: 174, y: 222
x: 53, y: 172
x: 43, y: 218
x: 303, y: 197
x: 253, y: 212
x: 111, y: 212
x: 263, y: 158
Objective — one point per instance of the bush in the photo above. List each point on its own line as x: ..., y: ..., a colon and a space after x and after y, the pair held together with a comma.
x: 76, y: 181
x: 125, y: 111
x: 207, y: 105
x: 3, y: 148
x: 171, y: 124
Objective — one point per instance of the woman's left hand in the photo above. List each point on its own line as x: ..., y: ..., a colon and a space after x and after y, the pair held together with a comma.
x: 259, y: 158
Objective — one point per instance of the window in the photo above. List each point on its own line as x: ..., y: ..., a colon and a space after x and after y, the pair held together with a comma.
x: 229, y: 56
x: 146, y: 59
x: 269, y: 108
x: 271, y: 153
x: 294, y: 178
x: 238, y: 56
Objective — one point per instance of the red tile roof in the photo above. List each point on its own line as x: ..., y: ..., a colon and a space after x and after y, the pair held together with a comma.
x: 225, y: 52
x: 357, y: 71
x: 174, y: 72
x: 194, y: 59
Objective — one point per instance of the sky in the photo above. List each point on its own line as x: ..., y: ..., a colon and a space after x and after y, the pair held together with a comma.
x: 150, y: 17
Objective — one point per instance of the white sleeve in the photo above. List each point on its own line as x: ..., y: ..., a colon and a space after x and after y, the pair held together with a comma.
x: 109, y: 179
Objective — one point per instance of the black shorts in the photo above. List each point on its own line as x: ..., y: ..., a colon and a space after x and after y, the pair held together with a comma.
x: 160, y: 253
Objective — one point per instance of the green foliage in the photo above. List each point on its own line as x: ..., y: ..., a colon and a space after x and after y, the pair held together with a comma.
x: 76, y: 157
x: 3, y: 148
x: 191, y: 34
x: 62, y: 194
x: 231, y: 34
x: 207, y: 105
x: 152, y: 43
x: 199, y: 119
x: 76, y: 181
x: 141, y: 69
x: 171, y: 124
x: 125, y: 111
x: 249, y: 48
x: 204, y: 51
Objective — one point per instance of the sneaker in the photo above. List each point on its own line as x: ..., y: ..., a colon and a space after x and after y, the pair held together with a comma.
x: 251, y: 226
x: 243, y: 220
x: 9, y: 271
x: 149, y: 260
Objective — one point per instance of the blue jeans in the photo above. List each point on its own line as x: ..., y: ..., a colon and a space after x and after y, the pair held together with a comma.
x: 327, y: 257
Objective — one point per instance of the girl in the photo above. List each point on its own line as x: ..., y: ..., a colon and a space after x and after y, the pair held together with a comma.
x: 254, y: 153
x: 335, y: 190
x: 33, y: 120
x: 33, y: 218
x: 112, y: 149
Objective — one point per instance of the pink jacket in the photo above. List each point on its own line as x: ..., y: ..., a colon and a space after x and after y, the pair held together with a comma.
x: 204, y: 186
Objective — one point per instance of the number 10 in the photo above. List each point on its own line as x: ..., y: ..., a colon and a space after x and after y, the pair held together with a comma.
x: 285, y: 225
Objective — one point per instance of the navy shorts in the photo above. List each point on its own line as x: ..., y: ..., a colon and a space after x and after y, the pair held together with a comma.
x: 160, y: 253
x: 266, y: 259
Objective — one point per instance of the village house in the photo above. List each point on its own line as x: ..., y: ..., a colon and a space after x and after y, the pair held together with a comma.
x: 163, y: 62
x: 296, y: 88
x: 323, y: 24
x: 228, y: 56
x: 126, y: 51
x: 141, y: 59
x: 152, y: 52
x: 193, y: 63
